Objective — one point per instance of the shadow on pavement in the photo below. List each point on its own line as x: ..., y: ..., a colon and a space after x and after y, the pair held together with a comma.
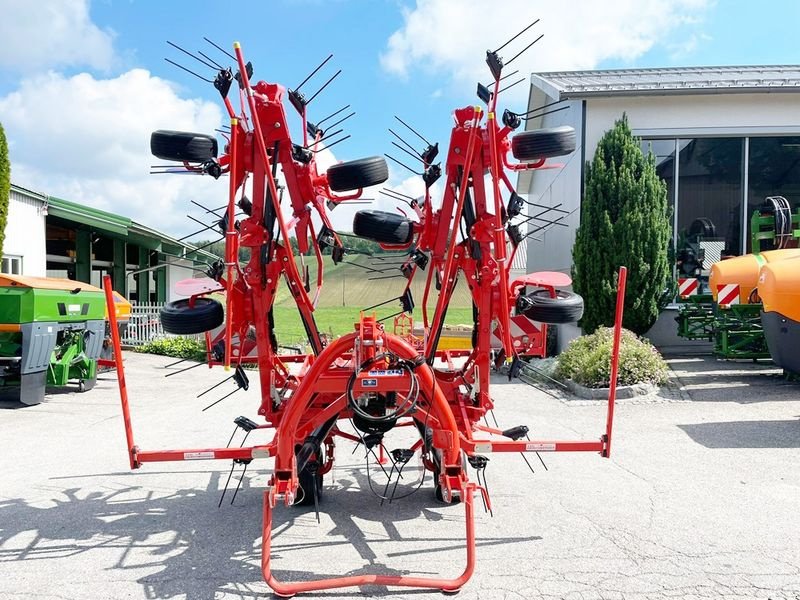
x: 711, y: 380
x: 746, y: 434
x: 200, y: 551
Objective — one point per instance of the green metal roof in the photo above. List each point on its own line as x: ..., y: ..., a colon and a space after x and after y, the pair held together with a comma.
x: 79, y: 213
x: 132, y: 231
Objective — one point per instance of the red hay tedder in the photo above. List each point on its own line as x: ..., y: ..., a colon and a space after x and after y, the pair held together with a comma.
x: 371, y: 378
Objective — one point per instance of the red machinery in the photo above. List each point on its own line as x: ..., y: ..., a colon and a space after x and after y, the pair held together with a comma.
x: 372, y: 378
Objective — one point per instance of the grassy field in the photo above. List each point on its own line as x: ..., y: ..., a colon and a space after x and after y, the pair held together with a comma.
x: 352, y: 286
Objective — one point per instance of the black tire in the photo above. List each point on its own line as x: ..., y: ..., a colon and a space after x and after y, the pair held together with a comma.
x: 183, y: 146
x: 177, y: 317
x: 357, y: 174
x: 566, y: 307
x: 702, y: 227
x: 383, y: 227
x: 543, y: 143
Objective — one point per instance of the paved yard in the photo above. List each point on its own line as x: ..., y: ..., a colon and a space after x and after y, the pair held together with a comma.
x: 701, y: 499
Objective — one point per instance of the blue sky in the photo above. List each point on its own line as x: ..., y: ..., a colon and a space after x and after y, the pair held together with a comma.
x: 81, y: 85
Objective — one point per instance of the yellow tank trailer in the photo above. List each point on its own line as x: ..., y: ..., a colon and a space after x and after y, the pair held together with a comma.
x: 743, y: 271
x: 779, y: 288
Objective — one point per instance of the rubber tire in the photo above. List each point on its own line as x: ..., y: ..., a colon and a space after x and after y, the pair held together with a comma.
x: 566, y: 307
x: 543, y: 143
x: 357, y: 174
x: 177, y: 317
x: 183, y: 146
x: 383, y: 227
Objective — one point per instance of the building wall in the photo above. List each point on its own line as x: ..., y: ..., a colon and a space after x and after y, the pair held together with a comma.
x: 25, y: 233
x: 550, y: 249
x: 689, y: 116
x: 694, y: 115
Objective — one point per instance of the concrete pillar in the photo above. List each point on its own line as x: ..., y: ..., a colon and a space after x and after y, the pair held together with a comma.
x: 161, y: 283
x: 83, y: 255
x: 143, y: 279
x: 118, y: 278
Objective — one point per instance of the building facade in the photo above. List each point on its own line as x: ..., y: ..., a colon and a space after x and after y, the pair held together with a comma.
x: 52, y: 237
x: 724, y: 138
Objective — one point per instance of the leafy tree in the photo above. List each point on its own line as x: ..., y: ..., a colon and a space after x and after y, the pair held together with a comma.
x: 5, y: 185
x: 624, y: 221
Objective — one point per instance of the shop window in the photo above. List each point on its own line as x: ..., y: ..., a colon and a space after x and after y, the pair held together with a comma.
x: 774, y: 170
x: 710, y: 193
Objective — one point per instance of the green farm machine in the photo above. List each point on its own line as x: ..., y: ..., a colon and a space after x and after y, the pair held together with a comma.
x: 51, y: 333
x: 721, y: 304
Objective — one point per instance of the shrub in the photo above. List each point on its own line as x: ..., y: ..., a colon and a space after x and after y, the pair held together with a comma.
x: 177, y: 347
x: 624, y: 221
x: 587, y: 360
x: 5, y: 185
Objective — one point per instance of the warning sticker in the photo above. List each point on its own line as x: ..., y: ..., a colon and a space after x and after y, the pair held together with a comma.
x: 540, y: 447
x: 369, y: 383
x: 198, y: 455
x: 386, y: 373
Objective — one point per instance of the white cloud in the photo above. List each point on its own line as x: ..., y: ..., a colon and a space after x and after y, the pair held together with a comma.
x: 452, y: 36
x: 87, y: 140
x: 51, y: 33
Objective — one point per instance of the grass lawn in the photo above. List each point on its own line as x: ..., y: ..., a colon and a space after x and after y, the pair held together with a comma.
x: 354, y: 285
x: 338, y: 320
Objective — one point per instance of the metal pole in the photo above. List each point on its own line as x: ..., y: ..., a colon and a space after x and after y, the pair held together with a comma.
x: 612, y: 385
x: 123, y: 390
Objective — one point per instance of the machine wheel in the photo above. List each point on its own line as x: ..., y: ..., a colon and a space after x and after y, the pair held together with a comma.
x: 702, y: 228
x: 383, y: 227
x: 183, y: 146
x: 356, y: 174
x: 306, y: 479
x: 178, y: 317
x: 543, y: 143
x: 566, y: 307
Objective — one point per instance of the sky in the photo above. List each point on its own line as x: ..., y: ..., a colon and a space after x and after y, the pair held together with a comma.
x: 83, y: 84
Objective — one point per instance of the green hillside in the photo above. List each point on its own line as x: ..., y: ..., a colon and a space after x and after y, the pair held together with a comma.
x: 352, y: 286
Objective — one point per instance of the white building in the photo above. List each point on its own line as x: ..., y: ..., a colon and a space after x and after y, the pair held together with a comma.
x: 24, y: 248
x: 724, y: 139
x: 48, y: 236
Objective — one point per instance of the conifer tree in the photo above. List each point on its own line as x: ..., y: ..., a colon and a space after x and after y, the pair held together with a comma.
x: 624, y: 221
x: 5, y: 185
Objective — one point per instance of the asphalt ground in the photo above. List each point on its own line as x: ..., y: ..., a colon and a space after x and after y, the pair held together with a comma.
x: 700, y: 499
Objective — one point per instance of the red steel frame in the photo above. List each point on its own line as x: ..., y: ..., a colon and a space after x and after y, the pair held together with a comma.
x: 451, y: 401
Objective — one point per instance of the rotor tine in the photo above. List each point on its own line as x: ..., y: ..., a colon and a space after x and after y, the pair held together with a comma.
x: 228, y: 54
x: 314, y: 72
x: 516, y: 36
x: 414, y: 131
x: 187, y: 53
x: 238, y: 485
x: 172, y: 62
x: 523, y: 50
x: 225, y: 489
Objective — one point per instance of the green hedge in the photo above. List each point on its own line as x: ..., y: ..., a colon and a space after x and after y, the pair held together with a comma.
x: 177, y: 347
x: 587, y: 360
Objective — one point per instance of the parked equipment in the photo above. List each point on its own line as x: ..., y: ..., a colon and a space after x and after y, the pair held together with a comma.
x: 365, y: 384
x: 779, y: 288
x: 726, y: 307
x: 51, y: 333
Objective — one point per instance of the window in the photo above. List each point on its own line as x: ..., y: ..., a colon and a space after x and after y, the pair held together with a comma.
x: 12, y: 265
x: 774, y: 170
x: 710, y: 194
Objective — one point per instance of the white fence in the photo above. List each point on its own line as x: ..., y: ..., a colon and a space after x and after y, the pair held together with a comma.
x: 144, y: 325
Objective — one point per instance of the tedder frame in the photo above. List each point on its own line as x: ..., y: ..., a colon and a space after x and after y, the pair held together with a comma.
x: 371, y: 378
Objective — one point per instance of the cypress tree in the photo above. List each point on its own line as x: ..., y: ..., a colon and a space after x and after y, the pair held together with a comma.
x: 5, y: 185
x: 624, y: 221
